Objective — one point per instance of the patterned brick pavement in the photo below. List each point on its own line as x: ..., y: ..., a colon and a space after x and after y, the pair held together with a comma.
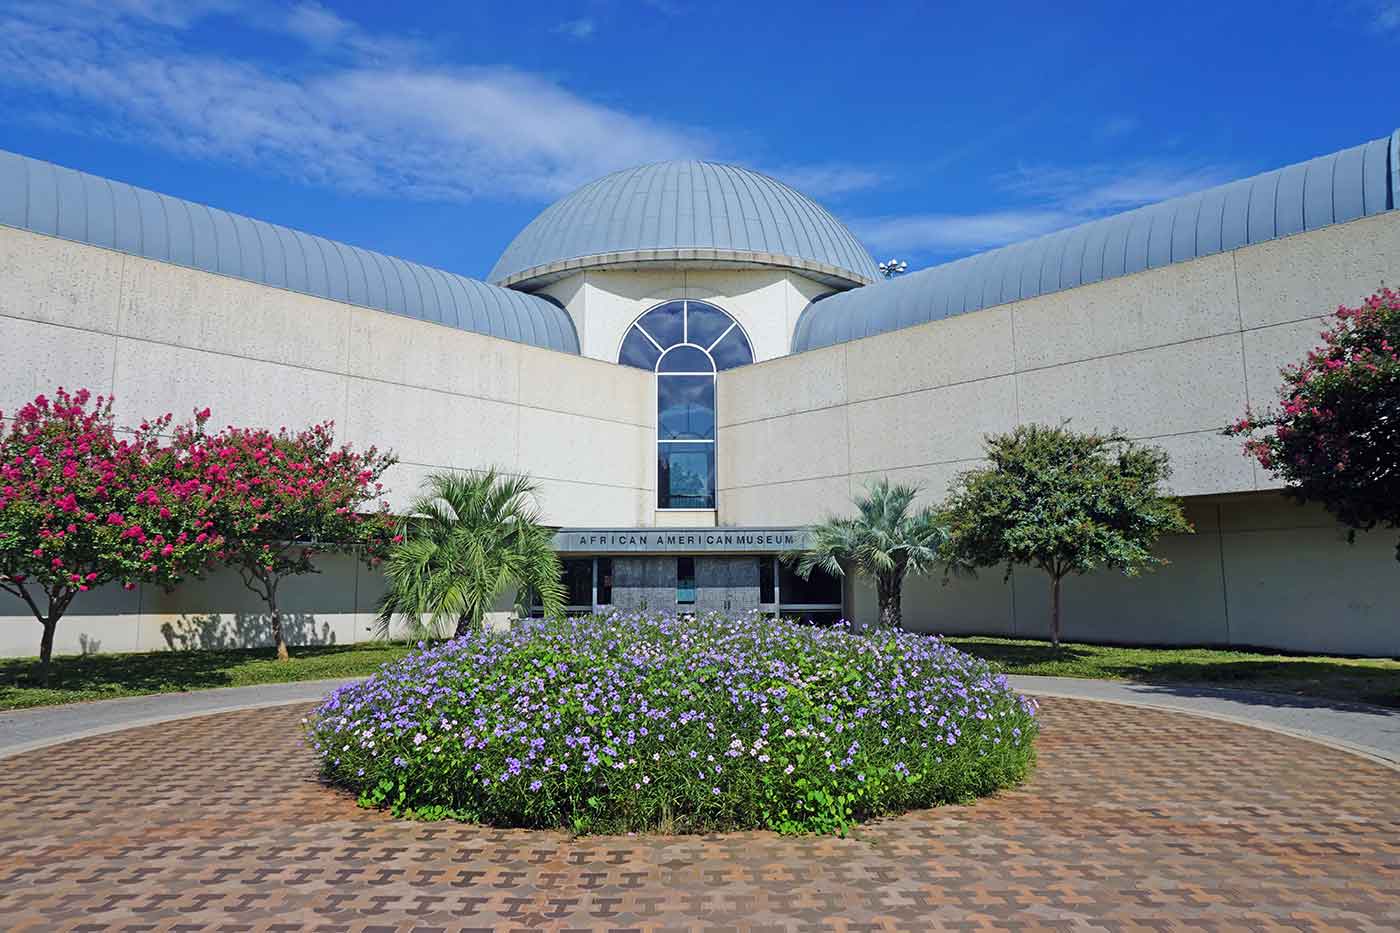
x: 1135, y: 820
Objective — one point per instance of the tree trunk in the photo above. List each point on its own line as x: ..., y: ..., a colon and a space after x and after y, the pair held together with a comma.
x: 891, y: 610
x: 278, y: 636
x: 1054, y: 611
x: 464, y: 625
x: 46, y: 647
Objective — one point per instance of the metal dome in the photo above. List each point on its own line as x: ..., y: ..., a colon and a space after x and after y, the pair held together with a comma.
x: 696, y: 211
x: 1335, y: 188
x: 49, y: 199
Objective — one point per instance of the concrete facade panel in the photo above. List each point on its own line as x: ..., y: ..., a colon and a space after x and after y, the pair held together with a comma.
x: 560, y: 445
x: 932, y: 426
x: 154, y: 378
x: 1205, y: 462
x: 393, y: 349
x: 782, y: 387
x: 1182, y: 603
x: 959, y: 349
x: 799, y: 502
x: 932, y: 479
x: 982, y: 605
x: 586, y: 387
x: 1166, y: 390
x: 37, y: 358
x: 429, y: 427
x: 58, y: 282
x: 1181, y: 302
x: 1310, y: 274
x: 1268, y: 349
x: 1308, y: 589
x: 777, y: 450
x: 190, y: 308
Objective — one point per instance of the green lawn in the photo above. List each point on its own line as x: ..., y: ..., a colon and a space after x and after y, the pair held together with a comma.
x: 1361, y: 680
x: 103, y: 676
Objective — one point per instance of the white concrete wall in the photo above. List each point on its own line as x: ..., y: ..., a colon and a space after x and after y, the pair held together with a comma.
x: 1259, y: 571
x: 765, y: 302
x: 1169, y: 356
x: 162, y: 338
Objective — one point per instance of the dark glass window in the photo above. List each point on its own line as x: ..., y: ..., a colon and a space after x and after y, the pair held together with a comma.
x: 605, y: 578
x: 685, y: 359
x: 577, y: 576
x: 685, y: 343
x: 685, y: 475
x: 685, y: 408
x: 820, y: 589
x: 666, y: 323
x: 766, y: 593
x: 685, y: 581
x: 638, y: 351
x: 732, y: 351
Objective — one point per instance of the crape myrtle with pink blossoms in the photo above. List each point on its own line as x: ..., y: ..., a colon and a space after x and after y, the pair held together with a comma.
x: 281, y: 498
x: 646, y: 722
x: 82, y: 506
x: 1335, y: 436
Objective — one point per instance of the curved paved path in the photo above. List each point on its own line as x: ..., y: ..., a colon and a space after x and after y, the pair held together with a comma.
x: 1133, y: 819
x: 1368, y: 730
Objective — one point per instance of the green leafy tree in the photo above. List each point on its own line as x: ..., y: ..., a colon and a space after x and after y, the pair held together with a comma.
x: 887, y: 539
x: 1335, y: 436
x: 281, y: 499
x: 84, y: 506
x: 1064, y: 502
x: 468, y: 538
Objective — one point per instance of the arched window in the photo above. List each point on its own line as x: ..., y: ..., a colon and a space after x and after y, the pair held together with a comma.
x: 685, y: 343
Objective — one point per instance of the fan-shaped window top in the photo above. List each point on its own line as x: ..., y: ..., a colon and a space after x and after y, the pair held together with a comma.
x: 698, y: 325
x: 685, y: 343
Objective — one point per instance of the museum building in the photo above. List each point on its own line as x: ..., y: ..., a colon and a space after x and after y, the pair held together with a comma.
x: 697, y: 362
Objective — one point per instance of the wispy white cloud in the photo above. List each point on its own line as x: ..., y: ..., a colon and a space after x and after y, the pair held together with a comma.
x: 328, y: 32
x: 830, y: 179
x: 409, y: 128
x: 1385, y: 16
x: 578, y: 28
x: 1054, y: 198
x: 956, y: 233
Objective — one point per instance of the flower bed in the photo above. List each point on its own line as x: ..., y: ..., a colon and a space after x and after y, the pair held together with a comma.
x: 634, y: 722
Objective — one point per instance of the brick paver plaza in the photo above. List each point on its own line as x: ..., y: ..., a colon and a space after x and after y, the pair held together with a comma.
x: 1134, y: 819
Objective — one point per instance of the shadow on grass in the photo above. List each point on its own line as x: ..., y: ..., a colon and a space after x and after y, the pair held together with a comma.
x: 1287, y: 680
x: 202, y: 655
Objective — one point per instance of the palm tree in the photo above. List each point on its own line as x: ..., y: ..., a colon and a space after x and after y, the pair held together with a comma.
x: 887, y: 539
x: 465, y: 540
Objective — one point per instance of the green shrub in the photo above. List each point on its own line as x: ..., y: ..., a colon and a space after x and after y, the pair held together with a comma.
x: 647, y: 722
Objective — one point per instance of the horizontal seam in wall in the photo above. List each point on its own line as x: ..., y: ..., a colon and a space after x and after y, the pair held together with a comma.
x: 915, y: 466
x: 1019, y: 372
x: 334, y: 372
x: 535, y: 476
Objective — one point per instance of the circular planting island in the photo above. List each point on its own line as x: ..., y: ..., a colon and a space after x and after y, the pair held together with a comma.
x: 641, y: 722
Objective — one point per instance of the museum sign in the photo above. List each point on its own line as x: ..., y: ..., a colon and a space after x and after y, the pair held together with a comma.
x: 680, y: 540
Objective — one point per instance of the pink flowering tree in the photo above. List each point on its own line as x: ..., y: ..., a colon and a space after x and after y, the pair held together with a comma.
x: 83, y: 505
x: 281, y: 498
x: 1335, y: 436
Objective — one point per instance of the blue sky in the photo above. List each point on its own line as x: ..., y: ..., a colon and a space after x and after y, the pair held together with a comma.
x: 435, y: 132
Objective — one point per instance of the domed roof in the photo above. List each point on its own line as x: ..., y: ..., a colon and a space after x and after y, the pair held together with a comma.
x: 696, y: 211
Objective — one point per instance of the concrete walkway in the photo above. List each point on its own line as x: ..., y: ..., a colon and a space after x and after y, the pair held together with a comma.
x: 1365, y: 730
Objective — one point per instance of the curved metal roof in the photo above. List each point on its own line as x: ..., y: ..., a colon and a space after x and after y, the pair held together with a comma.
x: 685, y: 211
x: 1346, y: 185
x: 47, y: 198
